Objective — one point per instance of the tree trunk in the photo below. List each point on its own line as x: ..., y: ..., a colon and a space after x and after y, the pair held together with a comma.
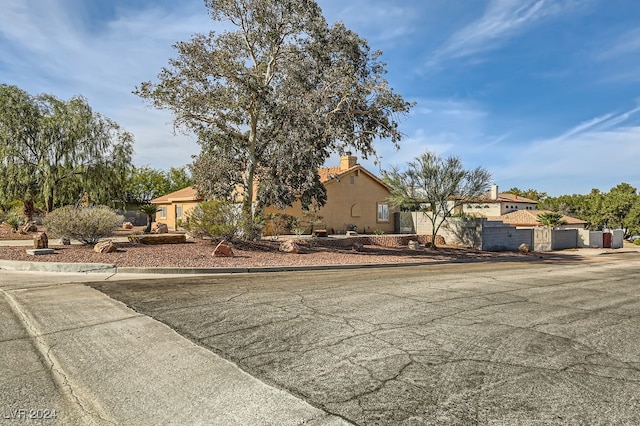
x: 49, y: 203
x: 248, y: 227
x: 28, y: 209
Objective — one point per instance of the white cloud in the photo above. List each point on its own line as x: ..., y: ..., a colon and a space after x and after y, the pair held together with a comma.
x: 626, y: 44
x: 502, y: 20
x: 596, y: 154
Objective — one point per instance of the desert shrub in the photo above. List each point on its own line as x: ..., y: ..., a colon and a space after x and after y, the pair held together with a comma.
x: 85, y: 224
x: 14, y: 219
x: 213, y: 219
x: 637, y: 242
x: 282, y: 223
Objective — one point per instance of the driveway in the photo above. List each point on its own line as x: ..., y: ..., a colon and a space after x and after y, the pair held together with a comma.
x: 496, y: 343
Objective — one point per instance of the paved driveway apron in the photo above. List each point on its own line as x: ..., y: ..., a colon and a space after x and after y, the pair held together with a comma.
x: 461, y: 344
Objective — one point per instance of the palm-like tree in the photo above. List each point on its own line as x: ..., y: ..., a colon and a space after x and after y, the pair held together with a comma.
x: 149, y: 210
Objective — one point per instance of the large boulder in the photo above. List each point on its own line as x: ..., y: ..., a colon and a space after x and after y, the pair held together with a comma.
x: 40, y: 241
x: 524, y: 248
x: 105, y: 246
x: 223, y: 249
x: 161, y: 228
x: 289, y: 247
x: 127, y: 225
x: 413, y: 245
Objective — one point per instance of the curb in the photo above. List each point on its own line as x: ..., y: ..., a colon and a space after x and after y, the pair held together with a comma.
x: 57, y: 267
x: 23, y: 265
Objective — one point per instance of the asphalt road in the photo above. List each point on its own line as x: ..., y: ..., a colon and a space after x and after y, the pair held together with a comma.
x: 494, y: 343
x: 69, y: 355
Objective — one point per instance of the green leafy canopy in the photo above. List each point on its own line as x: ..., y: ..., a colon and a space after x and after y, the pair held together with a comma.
x: 271, y: 98
x: 55, y: 152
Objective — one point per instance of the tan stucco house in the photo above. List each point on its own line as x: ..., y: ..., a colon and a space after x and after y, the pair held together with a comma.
x: 173, y: 206
x: 495, y: 203
x: 513, y: 210
x: 356, y: 198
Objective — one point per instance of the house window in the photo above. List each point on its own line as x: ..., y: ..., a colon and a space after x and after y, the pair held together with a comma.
x: 383, y: 212
x: 162, y: 213
x: 352, y: 179
x: 178, y: 212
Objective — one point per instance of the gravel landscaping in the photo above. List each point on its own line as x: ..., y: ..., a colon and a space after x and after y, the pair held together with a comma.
x: 199, y: 254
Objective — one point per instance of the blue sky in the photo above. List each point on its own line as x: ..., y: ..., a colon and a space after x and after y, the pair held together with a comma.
x: 543, y: 93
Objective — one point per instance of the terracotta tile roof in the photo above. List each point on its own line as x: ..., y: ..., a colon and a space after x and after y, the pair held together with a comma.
x: 530, y: 218
x: 328, y: 173
x: 184, y: 194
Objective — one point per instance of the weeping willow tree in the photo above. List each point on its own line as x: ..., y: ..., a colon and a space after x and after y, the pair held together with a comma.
x: 56, y: 152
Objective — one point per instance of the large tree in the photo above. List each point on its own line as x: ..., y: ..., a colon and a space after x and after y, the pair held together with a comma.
x: 272, y: 97
x: 146, y: 183
x: 55, y: 152
x: 618, y: 208
x: 436, y: 186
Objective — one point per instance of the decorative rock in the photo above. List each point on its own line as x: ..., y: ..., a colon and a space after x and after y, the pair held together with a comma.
x: 40, y: 241
x: 223, y: 249
x: 105, y: 246
x: 161, y: 228
x: 357, y: 246
x: 289, y: 247
x: 39, y: 252
x: 352, y: 234
x: 524, y: 248
x: 64, y: 241
x: 414, y: 245
x: 127, y: 225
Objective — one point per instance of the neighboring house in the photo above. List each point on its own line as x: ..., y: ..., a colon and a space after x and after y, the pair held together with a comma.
x: 356, y: 198
x: 173, y: 206
x: 513, y: 210
x: 496, y: 203
x: 529, y: 219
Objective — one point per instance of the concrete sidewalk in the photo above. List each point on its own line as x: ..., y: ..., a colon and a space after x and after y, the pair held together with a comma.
x: 91, y: 360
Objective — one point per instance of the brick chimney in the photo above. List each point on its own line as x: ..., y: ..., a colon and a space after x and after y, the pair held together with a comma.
x: 494, y: 192
x: 347, y: 161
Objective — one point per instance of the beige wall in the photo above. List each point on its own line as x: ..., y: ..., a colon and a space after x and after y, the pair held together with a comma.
x: 171, y: 209
x: 353, y: 199
x: 496, y: 209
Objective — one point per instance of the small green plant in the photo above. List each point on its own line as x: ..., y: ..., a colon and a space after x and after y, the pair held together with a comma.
x: 85, y: 224
x: 637, y: 242
x: 213, y: 219
x: 378, y: 231
x: 14, y: 219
